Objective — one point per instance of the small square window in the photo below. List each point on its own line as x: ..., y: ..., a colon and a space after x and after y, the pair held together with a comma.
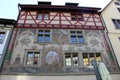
x: 116, y: 23
x: 80, y: 17
x: 117, y: 3
x: 73, y: 17
x: 118, y: 9
x: 76, y: 16
x: 43, y: 16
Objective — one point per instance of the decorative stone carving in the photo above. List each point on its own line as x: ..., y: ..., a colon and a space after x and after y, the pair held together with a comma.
x: 94, y: 42
x: 26, y: 38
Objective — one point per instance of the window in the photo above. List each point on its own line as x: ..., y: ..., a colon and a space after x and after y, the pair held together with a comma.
x: 39, y: 16
x: 43, y: 36
x: 76, y: 36
x: 118, y: 9
x: 43, y: 16
x: 71, y: 59
x: 32, y: 58
x: 117, y: 3
x: 116, y: 23
x: 76, y: 16
x: 73, y: 17
x: 46, y: 16
x: 2, y: 36
x: 88, y: 57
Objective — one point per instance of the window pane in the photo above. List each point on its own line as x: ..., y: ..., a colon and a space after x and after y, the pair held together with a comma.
x: 80, y: 39
x: 2, y: 36
x: 46, y: 16
x: 80, y: 17
x: 85, y: 59
x: 73, y: 39
x: 40, y: 38
x: 116, y: 23
x: 73, y: 17
x: 75, y: 59
x: 117, y: 3
x: 40, y: 32
x: 39, y: 16
x: 36, y: 57
x: 68, y: 59
x: 91, y: 55
x: 47, y: 31
x: 47, y: 38
x: 98, y: 57
x: 30, y: 56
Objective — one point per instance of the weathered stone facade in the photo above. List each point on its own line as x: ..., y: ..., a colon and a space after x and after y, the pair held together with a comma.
x: 26, y: 40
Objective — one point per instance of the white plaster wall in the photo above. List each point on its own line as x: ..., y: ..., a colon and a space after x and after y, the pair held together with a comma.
x: 70, y: 77
x: 5, y: 39
x: 115, y: 41
x: 109, y: 13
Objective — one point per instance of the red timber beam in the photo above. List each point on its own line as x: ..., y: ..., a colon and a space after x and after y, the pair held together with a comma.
x: 76, y: 25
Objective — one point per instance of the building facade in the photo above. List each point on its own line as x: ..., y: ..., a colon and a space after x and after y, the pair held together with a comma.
x: 6, y: 27
x: 58, y: 42
x: 112, y: 23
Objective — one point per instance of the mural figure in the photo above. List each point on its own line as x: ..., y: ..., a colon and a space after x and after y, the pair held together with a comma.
x: 52, y: 57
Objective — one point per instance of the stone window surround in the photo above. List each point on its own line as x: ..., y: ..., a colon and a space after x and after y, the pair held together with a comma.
x: 80, y: 59
x: 83, y: 34
x: 37, y: 30
x: 25, y: 57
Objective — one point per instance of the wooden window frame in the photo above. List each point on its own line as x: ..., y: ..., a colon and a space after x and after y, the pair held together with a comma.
x: 78, y: 36
x: 43, y: 15
x: 89, y: 59
x: 32, y: 58
x: 116, y: 23
x: 76, y: 15
x: 72, y: 59
x: 43, y: 35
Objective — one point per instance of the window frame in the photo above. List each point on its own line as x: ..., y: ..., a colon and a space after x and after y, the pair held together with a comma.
x: 33, y: 58
x: 117, y: 3
x: 71, y: 58
x: 43, y: 16
x: 3, y: 37
x: 77, y: 36
x: 76, y: 15
x: 43, y: 40
x: 88, y: 56
x: 116, y: 23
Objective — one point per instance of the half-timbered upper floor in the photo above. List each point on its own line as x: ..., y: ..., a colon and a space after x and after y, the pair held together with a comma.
x: 70, y: 16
